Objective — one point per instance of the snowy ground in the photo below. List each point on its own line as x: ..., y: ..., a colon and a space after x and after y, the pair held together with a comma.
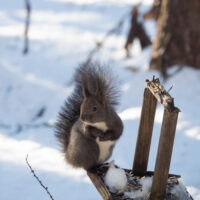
x: 62, y: 33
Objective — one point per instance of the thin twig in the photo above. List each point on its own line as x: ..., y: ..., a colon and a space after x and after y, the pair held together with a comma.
x: 27, y: 24
x: 40, y: 182
x: 114, y: 30
x: 99, y: 45
x: 170, y: 89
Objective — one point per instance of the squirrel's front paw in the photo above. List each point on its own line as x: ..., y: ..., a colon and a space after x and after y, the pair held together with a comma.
x: 96, y: 132
x: 106, y: 136
x: 93, y: 132
x: 103, y: 137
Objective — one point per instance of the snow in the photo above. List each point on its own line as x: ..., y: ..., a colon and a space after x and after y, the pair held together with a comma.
x: 180, y: 191
x: 115, y: 178
x: 176, y: 190
x: 62, y: 33
x: 124, y: 183
x: 144, y: 192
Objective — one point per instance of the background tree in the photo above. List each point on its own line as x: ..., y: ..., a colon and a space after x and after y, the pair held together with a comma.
x: 178, y: 35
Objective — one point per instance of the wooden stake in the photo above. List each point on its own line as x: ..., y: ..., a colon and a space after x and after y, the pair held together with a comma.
x: 163, y: 159
x: 144, y: 133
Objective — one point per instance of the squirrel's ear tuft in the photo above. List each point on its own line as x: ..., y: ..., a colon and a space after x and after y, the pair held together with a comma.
x: 85, y: 92
x: 99, y: 92
x: 97, y: 89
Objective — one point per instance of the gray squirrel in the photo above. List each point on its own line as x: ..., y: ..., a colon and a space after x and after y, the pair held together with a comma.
x: 88, y: 125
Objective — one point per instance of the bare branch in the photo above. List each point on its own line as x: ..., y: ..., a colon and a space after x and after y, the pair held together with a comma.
x: 99, y: 45
x: 39, y: 181
x: 26, y: 40
x: 170, y: 89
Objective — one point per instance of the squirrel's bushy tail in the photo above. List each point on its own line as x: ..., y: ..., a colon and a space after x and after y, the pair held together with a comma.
x: 95, y: 76
x: 68, y: 116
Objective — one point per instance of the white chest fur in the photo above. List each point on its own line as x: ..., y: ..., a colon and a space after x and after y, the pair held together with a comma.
x: 104, y: 146
x: 101, y: 125
x: 104, y: 149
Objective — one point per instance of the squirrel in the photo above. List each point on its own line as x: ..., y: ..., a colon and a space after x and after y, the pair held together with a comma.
x: 88, y: 125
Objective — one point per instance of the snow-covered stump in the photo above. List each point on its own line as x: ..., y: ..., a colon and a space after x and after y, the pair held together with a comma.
x: 139, y: 183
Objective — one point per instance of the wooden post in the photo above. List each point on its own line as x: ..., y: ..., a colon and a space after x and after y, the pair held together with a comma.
x: 145, y: 133
x: 102, y: 189
x: 164, y: 153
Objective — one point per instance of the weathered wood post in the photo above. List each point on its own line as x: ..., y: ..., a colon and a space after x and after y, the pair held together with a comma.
x: 168, y: 129
x: 163, y: 160
x: 100, y: 186
x: 144, y: 133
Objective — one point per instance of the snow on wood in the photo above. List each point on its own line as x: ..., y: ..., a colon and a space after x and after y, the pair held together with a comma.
x: 137, y: 187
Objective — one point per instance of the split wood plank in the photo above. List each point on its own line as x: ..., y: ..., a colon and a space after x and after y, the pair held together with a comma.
x: 161, y: 94
x: 144, y: 133
x: 164, y: 154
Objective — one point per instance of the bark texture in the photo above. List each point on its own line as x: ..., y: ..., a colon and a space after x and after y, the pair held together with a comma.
x: 178, y: 35
x: 154, y: 11
x: 143, y: 144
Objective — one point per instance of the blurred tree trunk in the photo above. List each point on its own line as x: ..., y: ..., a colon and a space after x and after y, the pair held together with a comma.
x: 178, y: 35
x: 154, y: 11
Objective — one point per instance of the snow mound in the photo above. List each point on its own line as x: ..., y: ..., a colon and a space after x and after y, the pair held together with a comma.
x: 125, y: 184
x: 115, y: 179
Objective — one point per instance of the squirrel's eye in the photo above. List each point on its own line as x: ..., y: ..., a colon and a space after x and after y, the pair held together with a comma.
x: 94, y: 108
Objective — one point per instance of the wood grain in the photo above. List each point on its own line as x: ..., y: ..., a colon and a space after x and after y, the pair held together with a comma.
x: 144, y: 133
x: 164, y: 154
x: 100, y: 186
